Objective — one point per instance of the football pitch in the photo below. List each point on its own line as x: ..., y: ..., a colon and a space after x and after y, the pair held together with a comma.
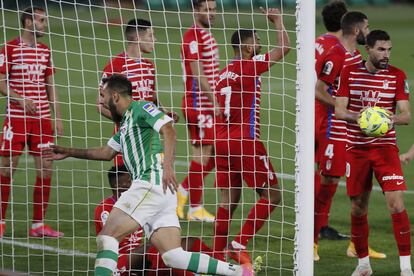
x: 81, y: 47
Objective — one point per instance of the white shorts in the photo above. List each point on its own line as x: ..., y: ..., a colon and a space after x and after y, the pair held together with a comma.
x: 149, y: 206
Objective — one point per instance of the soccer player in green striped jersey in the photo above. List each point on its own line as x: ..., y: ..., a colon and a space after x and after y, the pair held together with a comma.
x: 150, y: 201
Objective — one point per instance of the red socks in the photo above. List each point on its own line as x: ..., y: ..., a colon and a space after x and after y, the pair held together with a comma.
x: 323, y: 203
x: 258, y: 215
x: 221, y: 229
x: 402, y: 233
x: 40, y: 198
x: 5, y: 193
x: 195, y: 180
x: 359, y: 234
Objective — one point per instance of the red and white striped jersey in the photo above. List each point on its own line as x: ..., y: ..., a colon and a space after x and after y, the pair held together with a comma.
x: 27, y: 67
x: 199, y: 45
x: 238, y: 93
x: 322, y: 46
x: 364, y: 89
x: 334, y: 61
x: 140, y: 71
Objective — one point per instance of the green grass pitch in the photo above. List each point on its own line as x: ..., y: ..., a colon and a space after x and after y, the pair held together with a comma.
x: 81, y: 46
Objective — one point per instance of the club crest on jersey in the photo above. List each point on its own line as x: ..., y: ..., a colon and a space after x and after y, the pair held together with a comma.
x: 370, y: 98
x: 151, y: 109
x: 406, y: 87
x: 385, y: 84
x: 2, y: 59
x: 327, y: 68
x: 193, y: 47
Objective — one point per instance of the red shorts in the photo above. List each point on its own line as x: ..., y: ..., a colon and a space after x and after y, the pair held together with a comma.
x: 246, y: 157
x: 332, y: 160
x: 363, y: 162
x: 17, y: 132
x: 200, y: 124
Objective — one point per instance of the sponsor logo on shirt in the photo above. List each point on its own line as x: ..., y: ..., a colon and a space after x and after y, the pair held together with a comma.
x: 259, y: 57
x: 193, y: 47
x: 385, y: 85
x: 370, y: 98
x: 151, y: 109
x: 327, y: 68
x: 406, y: 86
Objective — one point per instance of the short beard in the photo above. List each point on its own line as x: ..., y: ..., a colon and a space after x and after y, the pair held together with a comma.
x: 379, y: 65
x: 115, y: 116
x: 361, y: 40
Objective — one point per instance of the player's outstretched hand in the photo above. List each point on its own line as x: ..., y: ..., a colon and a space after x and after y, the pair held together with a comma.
x: 168, y: 179
x: 174, y: 116
x: 55, y: 153
x: 272, y: 14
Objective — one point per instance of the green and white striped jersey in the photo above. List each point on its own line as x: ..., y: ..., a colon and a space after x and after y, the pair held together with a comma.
x: 139, y: 142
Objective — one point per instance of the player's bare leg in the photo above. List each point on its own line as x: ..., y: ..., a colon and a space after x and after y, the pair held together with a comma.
x: 116, y: 228
x: 41, y: 194
x: 201, y: 165
x: 168, y: 242
x: 401, y: 227
x: 359, y: 233
x: 269, y: 198
x: 9, y: 164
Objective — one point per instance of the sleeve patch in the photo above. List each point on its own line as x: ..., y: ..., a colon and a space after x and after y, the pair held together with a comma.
x: 2, y: 59
x: 259, y: 57
x: 406, y: 87
x: 193, y: 47
x: 151, y: 109
x: 327, y: 69
x: 104, y: 217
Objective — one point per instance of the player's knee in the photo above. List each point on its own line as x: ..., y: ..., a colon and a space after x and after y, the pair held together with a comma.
x: 176, y: 258
x: 359, y: 207
x: 396, y: 206
x: 105, y: 242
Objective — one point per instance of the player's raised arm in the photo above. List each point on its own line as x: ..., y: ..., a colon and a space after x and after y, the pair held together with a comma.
x: 169, y: 180
x: 104, y: 153
x: 283, y: 41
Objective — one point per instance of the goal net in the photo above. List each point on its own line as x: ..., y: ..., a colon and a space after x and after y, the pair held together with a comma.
x: 83, y: 36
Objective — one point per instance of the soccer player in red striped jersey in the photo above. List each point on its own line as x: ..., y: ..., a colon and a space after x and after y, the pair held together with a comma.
x: 200, y: 56
x: 331, y: 14
x: 26, y: 78
x: 331, y: 144
x: 375, y: 83
x: 138, y: 69
x: 240, y: 155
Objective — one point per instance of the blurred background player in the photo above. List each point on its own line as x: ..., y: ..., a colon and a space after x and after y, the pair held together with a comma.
x: 332, y: 143
x: 136, y: 256
x: 331, y: 14
x: 238, y: 148
x: 375, y: 83
x: 200, y: 56
x: 140, y: 40
x: 26, y: 78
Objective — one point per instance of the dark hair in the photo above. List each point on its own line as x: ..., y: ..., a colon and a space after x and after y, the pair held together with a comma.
x: 332, y: 14
x: 118, y: 83
x: 377, y: 35
x: 197, y: 3
x: 350, y: 20
x: 114, y: 173
x: 28, y: 13
x: 240, y: 36
x: 135, y: 25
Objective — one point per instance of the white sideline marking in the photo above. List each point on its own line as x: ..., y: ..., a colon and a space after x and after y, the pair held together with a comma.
x: 42, y: 247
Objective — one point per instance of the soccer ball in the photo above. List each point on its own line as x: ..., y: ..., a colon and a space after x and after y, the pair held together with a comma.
x: 374, y: 121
